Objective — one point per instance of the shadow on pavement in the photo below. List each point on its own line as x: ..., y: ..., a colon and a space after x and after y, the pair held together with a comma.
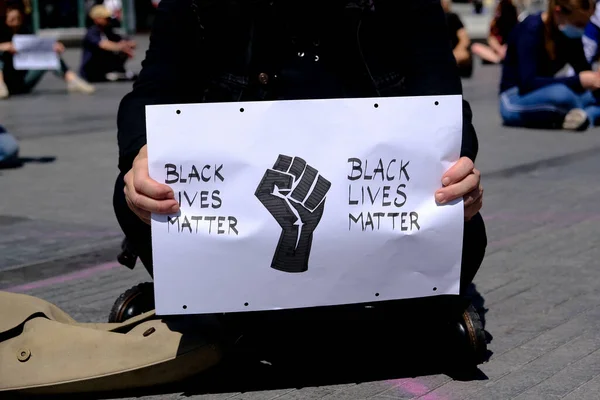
x: 21, y: 161
x: 297, y: 349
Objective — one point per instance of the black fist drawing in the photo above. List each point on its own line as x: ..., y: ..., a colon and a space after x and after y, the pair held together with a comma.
x: 294, y: 193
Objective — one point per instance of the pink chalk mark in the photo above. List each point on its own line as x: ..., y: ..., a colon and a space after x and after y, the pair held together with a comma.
x: 416, y: 388
x: 57, y: 280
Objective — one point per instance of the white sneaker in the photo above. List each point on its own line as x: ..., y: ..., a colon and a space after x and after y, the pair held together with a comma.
x: 3, y: 90
x: 576, y: 120
x: 81, y: 86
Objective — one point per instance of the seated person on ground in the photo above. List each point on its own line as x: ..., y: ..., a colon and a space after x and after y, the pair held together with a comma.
x: 104, y: 51
x: 461, y: 43
x: 531, y: 95
x: 505, y: 19
x: 22, y: 81
x: 311, y: 53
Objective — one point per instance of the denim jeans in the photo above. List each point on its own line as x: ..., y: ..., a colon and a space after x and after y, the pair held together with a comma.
x: 9, y: 148
x: 545, y: 107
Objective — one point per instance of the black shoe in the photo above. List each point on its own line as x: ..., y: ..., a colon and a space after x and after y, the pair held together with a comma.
x: 135, y: 301
x: 469, y: 339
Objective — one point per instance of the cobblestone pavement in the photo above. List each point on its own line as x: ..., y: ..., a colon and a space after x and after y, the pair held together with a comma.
x: 539, y: 284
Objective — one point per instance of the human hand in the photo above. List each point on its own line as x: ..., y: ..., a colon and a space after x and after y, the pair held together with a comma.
x: 8, y: 47
x: 125, y: 48
x: 59, y: 48
x: 590, y: 80
x: 144, y: 195
x: 502, y: 51
x: 462, y: 180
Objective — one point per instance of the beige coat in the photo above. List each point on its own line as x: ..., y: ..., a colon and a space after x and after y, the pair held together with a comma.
x: 43, y: 350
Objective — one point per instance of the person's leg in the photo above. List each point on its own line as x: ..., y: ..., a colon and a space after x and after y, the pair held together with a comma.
x: 474, y: 247
x: 32, y: 78
x: 9, y: 149
x: 136, y: 231
x: 3, y: 88
x: 543, y: 108
x: 74, y: 82
x: 592, y: 107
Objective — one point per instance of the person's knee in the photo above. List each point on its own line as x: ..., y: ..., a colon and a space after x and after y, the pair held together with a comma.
x: 136, y: 231
x: 561, y: 96
x: 9, y: 147
x: 474, y: 249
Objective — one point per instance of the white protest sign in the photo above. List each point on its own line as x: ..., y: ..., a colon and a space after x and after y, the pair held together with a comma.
x: 292, y: 204
x: 34, y: 52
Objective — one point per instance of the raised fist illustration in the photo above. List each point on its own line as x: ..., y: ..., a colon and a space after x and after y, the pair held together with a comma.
x: 294, y: 193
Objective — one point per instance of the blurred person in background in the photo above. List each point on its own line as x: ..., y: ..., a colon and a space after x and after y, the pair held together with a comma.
x: 531, y: 95
x: 23, y: 81
x: 505, y: 19
x: 460, y: 41
x: 9, y: 149
x: 105, y: 52
x: 115, y: 7
x: 591, y: 38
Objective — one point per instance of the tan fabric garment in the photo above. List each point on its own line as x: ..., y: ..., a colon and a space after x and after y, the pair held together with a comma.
x: 43, y: 350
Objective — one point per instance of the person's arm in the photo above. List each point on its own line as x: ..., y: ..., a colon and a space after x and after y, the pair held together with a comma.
x: 577, y: 57
x: 8, y: 47
x: 464, y: 41
x: 111, y: 46
x: 528, y: 46
x: 431, y: 70
x: 168, y: 73
x: 93, y: 39
x: 494, y: 43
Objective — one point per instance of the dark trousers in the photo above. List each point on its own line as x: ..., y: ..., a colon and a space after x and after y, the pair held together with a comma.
x: 138, y: 235
x: 103, y: 63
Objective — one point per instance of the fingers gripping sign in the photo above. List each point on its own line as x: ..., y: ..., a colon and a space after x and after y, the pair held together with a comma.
x: 294, y: 193
x: 462, y: 180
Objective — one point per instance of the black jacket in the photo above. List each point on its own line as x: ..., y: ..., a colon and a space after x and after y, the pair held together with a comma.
x: 247, y: 50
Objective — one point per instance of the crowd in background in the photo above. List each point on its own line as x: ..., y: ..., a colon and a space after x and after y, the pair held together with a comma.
x: 548, y: 56
x: 547, y: 49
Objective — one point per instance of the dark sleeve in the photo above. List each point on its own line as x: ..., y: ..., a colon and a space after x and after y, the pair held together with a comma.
x: 113, y: 36
x: 577, y: 58
x: 92, y: 38
x: 528, y: 46
x: 167, y: 76
x: 430, y: 65
x: 455, y: 22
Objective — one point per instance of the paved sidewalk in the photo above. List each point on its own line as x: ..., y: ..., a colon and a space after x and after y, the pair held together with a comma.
x: 539, y: 282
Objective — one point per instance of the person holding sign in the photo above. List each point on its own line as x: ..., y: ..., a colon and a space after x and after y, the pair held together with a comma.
x: 202, y: 51
x: 16, y: 81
